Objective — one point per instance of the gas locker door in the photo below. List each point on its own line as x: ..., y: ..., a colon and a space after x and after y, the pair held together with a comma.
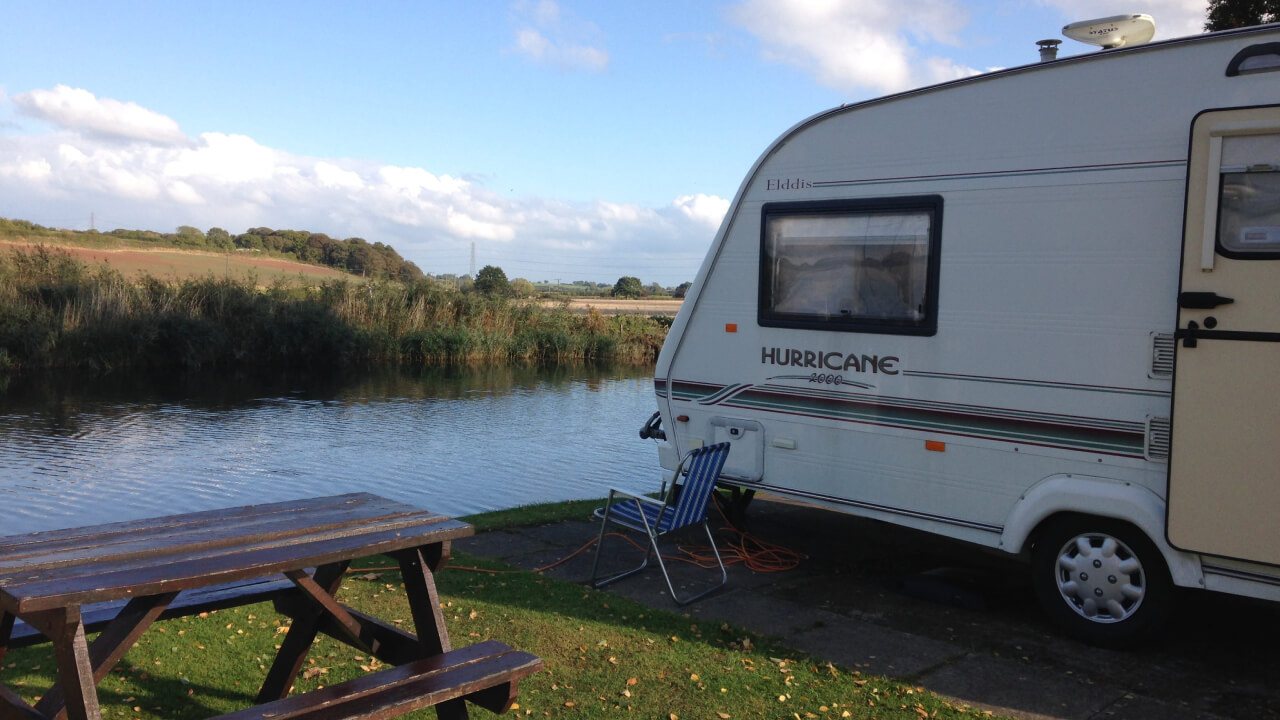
x: 1224, y: 463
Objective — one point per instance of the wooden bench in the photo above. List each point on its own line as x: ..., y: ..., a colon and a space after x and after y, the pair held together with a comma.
x: 487, y: 674
x: 190, y: 602
x: 118, y: 579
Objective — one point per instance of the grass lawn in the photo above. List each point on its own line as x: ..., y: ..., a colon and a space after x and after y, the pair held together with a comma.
x: 605, y: 656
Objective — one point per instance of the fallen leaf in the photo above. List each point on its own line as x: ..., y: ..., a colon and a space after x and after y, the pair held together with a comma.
x: 632, y: 681
x: 723, y: 715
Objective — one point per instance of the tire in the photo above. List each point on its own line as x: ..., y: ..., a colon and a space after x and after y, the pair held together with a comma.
x: 1102, y: 581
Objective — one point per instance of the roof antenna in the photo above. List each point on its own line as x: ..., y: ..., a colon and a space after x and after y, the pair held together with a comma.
x: 1113, y: 32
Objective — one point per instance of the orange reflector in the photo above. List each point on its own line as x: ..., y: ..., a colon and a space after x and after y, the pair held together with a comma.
x: 731, y: 327
x: 935, y: 446
x: 682, y: 418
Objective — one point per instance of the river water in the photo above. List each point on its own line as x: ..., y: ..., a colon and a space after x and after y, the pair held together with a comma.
x: 77, y: 451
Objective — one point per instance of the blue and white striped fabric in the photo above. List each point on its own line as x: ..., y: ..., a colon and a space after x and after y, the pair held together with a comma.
x: 703, y: 467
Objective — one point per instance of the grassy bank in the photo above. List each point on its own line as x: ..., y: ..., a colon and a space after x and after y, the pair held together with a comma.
x: 56, y: 312
x: 605, y: 655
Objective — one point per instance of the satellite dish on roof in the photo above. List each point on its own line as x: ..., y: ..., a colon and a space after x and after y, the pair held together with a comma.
x: 1113, y: 32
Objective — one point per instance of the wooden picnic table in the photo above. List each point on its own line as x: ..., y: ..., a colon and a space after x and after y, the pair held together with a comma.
x: 118, y: 578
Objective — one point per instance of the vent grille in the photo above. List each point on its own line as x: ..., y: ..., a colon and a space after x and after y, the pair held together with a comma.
x: 1162, y: 345
x: 1158, y: 432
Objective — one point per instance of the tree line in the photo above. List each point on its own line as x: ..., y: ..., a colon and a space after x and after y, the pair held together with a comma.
x: 492, y: 280
x: 1228, y: 14
x: 376, y: 261
x: 355, y: 255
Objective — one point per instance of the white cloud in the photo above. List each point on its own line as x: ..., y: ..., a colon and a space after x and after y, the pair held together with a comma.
x: 466, y: 226
x: 545, y: 12
x: 34, y: 170
x: 530, y: 42
x: 332, y: 176
x: 184, y: 193
x: 706, y: 209
x: 868, y: 45
x: 412, y: 182
x: 547, y: 35
x: 232, y: 181
x: 1174, y: 18
x: 105, y: 169
x: 81, y: 111
x: 229, y: 159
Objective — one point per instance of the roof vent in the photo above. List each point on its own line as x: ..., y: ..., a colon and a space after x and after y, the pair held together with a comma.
x: 1048, y: 49
x: 1113, y: 32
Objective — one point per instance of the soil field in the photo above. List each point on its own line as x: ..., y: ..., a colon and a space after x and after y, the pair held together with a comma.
x: 622, y: 306
x: 171, y: 264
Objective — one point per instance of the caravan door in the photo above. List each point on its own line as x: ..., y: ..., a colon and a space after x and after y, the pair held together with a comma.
x: 1224, y: 463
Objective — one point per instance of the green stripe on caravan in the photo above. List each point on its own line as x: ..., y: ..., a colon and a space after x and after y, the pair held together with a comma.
x: 818, y: 359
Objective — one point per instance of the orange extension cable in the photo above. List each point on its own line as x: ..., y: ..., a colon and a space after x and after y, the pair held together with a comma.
x: 757, y: 555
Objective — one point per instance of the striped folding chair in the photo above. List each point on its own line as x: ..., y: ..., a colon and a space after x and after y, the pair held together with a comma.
x: 684, y: 504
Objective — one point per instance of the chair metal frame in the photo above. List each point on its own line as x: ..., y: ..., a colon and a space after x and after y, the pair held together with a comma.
x: 683, y: 504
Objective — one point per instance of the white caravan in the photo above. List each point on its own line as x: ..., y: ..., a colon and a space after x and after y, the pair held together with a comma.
x: 1037, y: 310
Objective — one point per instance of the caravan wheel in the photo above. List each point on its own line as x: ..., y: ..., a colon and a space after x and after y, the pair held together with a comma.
x: 1102, y: 580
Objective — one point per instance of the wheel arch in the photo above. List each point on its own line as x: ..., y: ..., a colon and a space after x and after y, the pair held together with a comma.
x: 1079, y: 495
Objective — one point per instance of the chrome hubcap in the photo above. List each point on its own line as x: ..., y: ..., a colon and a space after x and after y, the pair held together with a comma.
x: 1100, y: 578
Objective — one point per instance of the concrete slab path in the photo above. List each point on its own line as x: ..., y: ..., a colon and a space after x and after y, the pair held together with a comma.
x: 955, y: 619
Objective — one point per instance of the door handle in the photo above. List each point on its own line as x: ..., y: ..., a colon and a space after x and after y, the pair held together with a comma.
x: 1202, y: 300
x: 1188, y: 336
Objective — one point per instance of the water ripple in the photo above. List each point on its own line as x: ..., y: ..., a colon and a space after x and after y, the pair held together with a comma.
x: 453, y: 448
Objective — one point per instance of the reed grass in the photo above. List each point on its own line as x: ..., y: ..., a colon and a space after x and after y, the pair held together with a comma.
x: 56, y: 312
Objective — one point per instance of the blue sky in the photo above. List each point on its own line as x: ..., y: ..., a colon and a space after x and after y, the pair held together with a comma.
x: 565, y: 140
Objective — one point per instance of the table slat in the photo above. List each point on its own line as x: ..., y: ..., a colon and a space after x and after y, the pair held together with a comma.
x: 46, y: 548
x: 170, y: 554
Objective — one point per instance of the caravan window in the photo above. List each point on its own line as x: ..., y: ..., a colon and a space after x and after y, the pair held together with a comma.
x: 860, y: 266
x: 1249, y: 197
